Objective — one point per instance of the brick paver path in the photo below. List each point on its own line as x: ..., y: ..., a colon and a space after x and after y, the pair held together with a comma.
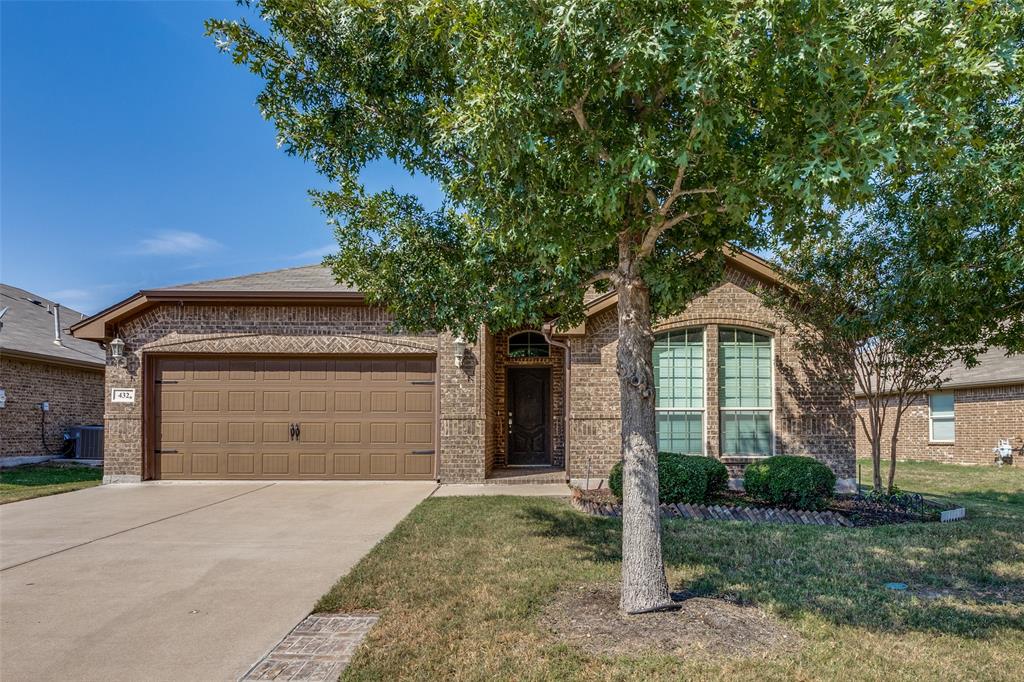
x: 317, y: 649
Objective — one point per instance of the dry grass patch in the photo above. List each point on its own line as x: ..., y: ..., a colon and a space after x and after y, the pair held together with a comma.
x: 589, y: 617
x: 476, y: 589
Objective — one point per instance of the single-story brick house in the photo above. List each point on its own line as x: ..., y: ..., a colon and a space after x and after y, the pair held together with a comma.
x: 963, y: 421
x: 287, y: 374
x: 41, y: 363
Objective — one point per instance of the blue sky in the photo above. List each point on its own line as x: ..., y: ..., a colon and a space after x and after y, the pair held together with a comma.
x: 132, y: 156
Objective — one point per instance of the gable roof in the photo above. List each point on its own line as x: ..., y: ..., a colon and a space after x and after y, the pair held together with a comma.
x: 28, y: 330
x: 735, y: 256
x: 994, y: 367
x: 306, y: 283
x: 312, y: 278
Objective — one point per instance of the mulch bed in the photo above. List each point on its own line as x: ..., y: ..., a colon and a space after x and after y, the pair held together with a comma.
x: 589, y: 617
x: 844, y: 511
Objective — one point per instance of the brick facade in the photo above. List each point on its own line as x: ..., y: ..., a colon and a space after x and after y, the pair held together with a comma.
x: 292, y: 329
x: 810, y: 415
x: 982, y: 417
x: 75, y: 395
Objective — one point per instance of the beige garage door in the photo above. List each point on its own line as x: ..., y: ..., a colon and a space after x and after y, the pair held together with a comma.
x: 273, y: 418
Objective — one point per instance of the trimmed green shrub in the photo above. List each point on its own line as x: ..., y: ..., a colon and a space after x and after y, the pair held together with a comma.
x: 800, y: 482
x: 682, y: 479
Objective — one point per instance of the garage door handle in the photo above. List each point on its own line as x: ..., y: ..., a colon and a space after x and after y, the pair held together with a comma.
x: 292, y: 431
x: 166, y: 452
x: 422, y: 452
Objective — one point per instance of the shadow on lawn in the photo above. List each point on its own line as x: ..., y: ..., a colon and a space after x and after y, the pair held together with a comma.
x: 835, y: 574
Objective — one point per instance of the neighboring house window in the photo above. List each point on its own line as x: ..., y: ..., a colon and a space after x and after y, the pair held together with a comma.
x: 679, y: 391
x: 528, y: 345
x: 745, y: 392
x: 941, y: 418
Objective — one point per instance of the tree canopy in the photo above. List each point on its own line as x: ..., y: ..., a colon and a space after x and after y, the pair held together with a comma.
x: 553, y: 127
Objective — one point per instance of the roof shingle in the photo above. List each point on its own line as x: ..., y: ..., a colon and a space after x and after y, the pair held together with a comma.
x: 28, y: 328
x: 307, y: 278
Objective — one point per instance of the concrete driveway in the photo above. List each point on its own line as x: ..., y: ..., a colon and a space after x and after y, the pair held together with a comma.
x: 177, y: 581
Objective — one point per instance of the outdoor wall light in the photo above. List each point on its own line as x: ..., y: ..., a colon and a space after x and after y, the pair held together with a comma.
x: 117, y: 351
x: 459, y: 346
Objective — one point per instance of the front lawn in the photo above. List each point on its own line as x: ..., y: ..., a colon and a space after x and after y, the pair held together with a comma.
x: 37, y: 480
x: 462, y: 583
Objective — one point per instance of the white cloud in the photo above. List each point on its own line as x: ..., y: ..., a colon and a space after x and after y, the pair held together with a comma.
x: 318, y: 253
x: 175, y: 243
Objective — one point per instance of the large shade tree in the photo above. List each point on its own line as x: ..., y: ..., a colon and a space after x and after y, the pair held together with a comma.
x: 616, y: 144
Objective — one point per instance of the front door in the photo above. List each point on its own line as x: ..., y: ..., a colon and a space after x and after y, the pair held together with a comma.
x: 529, y: 415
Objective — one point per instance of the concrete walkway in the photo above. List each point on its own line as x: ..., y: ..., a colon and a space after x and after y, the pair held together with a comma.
x: 518, y: 490
x: 177, y: 581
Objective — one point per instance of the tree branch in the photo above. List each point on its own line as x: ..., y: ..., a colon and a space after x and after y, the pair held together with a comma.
x: 581, y: 120
x: 655, y: 231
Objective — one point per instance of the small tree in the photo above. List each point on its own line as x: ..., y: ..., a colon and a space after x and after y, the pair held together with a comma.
x: 861, y: 316
x: 610, y: 144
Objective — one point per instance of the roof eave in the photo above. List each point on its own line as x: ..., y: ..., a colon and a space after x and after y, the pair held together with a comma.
x: 96, y: 364
x: 98, y: 326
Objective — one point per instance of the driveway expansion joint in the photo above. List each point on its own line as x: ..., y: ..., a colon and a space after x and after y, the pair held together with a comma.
x: 128, y: 530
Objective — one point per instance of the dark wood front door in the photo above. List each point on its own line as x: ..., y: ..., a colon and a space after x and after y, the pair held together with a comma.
x: 529, y: 406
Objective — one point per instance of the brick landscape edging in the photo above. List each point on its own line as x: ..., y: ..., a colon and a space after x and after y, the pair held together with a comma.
x: 719, y: 513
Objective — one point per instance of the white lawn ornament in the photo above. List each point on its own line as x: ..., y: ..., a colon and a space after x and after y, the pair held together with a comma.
x: 1003, y: 451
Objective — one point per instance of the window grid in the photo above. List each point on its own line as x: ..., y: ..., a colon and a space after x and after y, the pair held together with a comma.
x: 941, y: 418
x: 679, y: 391
x: 528, y: 345
x: 745, y: 392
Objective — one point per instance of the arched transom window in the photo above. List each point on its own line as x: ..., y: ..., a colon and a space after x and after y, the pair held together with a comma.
x: 679, y: 391
x: 528, y: 345
x: 745, y: 392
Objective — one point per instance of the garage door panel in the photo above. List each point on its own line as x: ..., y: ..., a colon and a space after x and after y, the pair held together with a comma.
x: 241, y: 463
x: 172, y: 401
x: 313, y: 401
x: 383, y: 433
x: 384, y: 401
x: 206, y: 401
x: 276, y: 401
x: 313, y: 464
x: 313, y: 432
x: 206, y: 463
x: 172, y: 463
x: 275, y: 463
x: 419, y: 401
x: 348, y: 401
x: 419, y: 433
x: 419, y: 465
x: 276, y: 432
x: 358, y: 418
x: 348, y: 464
x: 207, y: 370
x: 205, y: 432
x: 383, y: 463
x: 241, y: 432
x: 384, y: 370
x: 241, y: 401
x: 348, y: 433
x: 242, y: 370
x: 277, y: 370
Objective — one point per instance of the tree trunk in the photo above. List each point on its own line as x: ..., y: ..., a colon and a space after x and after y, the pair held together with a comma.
x: 876, y: 452
x: 644, y: 587
x: 892, y: 447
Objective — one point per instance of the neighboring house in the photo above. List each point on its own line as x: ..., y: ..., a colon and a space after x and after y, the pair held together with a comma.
x: 287, y: 374
x: 964, y: 420
x: 41, y: 363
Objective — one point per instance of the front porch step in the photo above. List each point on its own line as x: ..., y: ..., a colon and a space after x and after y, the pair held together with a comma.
x: 521, y: 475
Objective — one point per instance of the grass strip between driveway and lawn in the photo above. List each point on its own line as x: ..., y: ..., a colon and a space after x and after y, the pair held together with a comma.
x: 39, y: 480
x: 462, y: 585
